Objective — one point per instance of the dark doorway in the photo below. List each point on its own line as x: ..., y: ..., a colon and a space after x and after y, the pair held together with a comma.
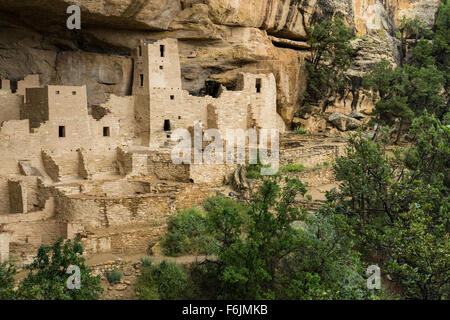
x: 166, y: 125
x: 62, y: 131
x: 13, y: 86
x: 258, y: 85
x: 106, y: 132
x: 162, y: 50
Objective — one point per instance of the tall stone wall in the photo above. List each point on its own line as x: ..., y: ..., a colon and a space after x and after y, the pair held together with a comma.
x: 9, y: 106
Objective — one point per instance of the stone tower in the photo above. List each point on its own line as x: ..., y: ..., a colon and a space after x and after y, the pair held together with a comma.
x: 157, y: 74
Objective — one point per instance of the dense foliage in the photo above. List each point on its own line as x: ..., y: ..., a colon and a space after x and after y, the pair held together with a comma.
x: 398, y: 206
x: 165, y: 281
x: 270, y: 249
x: 187, y: 234
x: 330, y: 57
x: 47, y: 277
x: 421, y: 82
x: 7, y: 273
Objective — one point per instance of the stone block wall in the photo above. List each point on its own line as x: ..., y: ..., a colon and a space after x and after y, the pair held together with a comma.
x: 9, y: 106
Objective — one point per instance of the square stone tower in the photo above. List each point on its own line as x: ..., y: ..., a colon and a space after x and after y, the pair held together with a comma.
x: 157, y: 88
x: 156, y: 65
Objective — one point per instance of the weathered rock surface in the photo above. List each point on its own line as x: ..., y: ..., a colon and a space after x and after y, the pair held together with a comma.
x: 102, y: 74
x: 343, y: 122
x: 217, y: 39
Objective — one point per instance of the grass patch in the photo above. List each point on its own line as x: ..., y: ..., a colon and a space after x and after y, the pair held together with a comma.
x: 321, y: 165
x: 253, y: 174
x: 146, y: 262
x: 300, y: 131
x: 293, y: 167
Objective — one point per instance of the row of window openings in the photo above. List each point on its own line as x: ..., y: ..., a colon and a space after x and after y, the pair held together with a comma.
x: 258, y: 84
x: 107, y: 132
x: 73, y: 92
x: 13, y: 85
x: 162, y: 51
x: 62, y: 132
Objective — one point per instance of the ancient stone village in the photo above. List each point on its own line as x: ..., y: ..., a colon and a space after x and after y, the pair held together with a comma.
x: 92, y: 118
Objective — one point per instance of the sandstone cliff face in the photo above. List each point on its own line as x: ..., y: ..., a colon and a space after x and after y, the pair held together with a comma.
x: 217, y: 39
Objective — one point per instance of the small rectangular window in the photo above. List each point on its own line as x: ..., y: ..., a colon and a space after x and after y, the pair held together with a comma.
x: 140, y: 51
x: 57, y: 91
x: 106, y: 132
x: 62, y: 131
x: 162, y: 50
x: 74, y: 93
x: 161, y: 67
x: 258, y: 85
x: 142, y: 79
x: 172, y: 97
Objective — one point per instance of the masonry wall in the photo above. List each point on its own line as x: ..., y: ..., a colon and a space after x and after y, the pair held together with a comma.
x: 9, y: 106
x: 4, y: 246
x: 30, y: 81
x: 177, y: 107
x: 16, y: 143
x: 35, y: 107
x: 161, y: 166
x: 24, y: 233
x: 164, y: 67
x: 211, y: 174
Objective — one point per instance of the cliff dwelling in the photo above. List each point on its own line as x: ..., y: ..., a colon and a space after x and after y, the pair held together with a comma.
x: 103, y: 173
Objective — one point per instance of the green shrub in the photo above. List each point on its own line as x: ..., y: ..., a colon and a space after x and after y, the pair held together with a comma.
x: 47, y: 274
x: 166, y: 281
x: 321, y: 165
x: 146, y: 262
x: 7, y: 273
x: 113, y: 276
x: 298, y: 167
x: 254, y: 170
x: 301, y: 131
x: 253, y: 174
x: 187, y: 234
x: 223, y: 206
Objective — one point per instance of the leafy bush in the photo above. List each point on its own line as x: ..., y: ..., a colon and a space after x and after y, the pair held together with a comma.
x: 330, y: 56
x: 7, y: 273
x: 253, y: 174
x: 146, y: 262
x: 321, y: 165
x: 166, y: 281
x: 113, y: 276
x: 326, y: 267
x: 187, y: 234
x: 254, y: 170
x: 47, y: 278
